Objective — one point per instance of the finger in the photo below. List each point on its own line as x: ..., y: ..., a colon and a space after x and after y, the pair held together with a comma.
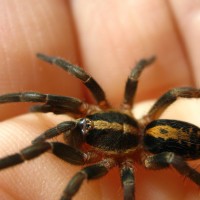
x: 47, y: 172
x: 114, y: 35
x: 158, y: 183
x: 186, y: 15
x: 42, y: 178
x: 45, y: 27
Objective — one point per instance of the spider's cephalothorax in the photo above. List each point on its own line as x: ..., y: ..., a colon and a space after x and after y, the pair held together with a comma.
x: 113, y: 132
x: 104, y: 137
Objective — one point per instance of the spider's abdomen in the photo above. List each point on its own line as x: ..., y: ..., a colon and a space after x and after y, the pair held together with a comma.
x: 113, y: 132
x: 175, y: 136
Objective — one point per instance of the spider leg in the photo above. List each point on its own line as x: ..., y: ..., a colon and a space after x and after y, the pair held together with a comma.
x: 56, y: 109
x: 132, y: 82
x: 52, y: 102
x: 128, y: 180
x: 63, y: 151
x: 168, y: 98
x: 73, y: 132
x: 55, y: 131
x: 79, y: 73
x: 75, y: 110
x: 91, y: 172
x: 165, y: 159
x: 61, y: 105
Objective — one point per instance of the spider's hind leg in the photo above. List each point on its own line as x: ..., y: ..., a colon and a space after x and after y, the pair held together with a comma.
x: 165, y: 159
x: 167, y: 99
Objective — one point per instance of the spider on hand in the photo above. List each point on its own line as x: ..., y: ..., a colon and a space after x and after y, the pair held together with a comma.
x: 102, y: 137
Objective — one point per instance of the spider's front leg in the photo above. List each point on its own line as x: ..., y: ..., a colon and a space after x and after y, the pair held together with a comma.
x: 40, y: 146
x: 52, y: 103
x: 79, y: 73
x: 68, y: 154
x: 63, y: 127
x: 63, y: 151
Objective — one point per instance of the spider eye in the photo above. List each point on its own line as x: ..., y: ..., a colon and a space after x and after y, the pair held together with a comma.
x: 86, y: 125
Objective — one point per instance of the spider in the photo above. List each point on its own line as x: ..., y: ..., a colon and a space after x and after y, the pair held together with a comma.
x: 102, y: 137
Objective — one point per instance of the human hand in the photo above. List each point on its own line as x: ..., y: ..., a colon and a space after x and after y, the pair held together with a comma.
x: 106, y: 39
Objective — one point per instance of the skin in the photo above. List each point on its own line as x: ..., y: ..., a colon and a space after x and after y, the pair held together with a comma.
x: 104, y: 38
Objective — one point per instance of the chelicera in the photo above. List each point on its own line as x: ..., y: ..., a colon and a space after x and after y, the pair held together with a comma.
x: 101, y: 137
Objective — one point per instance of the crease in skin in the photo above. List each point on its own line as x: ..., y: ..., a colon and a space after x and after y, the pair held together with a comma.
x: 182, y: 42
x: 29, y: 44
x: 6, y: 195
x: 4, y: 51
x: 47, y: 25
x: 188, y: 16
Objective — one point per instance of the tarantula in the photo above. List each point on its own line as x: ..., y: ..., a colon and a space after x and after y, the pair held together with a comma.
x: 102, y: 137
